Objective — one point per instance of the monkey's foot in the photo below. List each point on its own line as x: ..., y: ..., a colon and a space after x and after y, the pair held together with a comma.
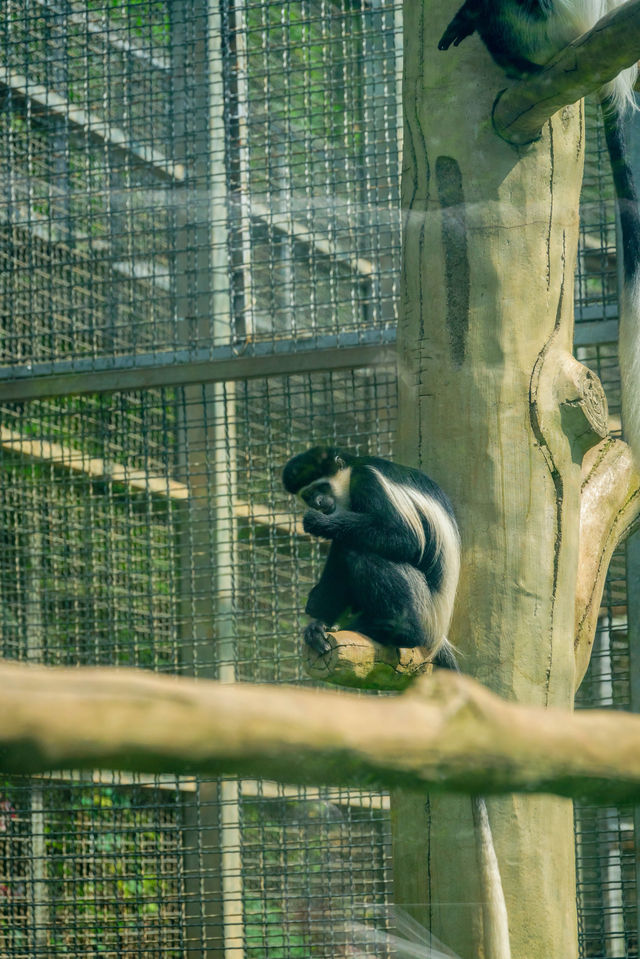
x: 315, y: 636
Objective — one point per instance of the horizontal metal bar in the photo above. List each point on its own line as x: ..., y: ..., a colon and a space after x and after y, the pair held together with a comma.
x: 249, y: 788
x: 180, y: 368
x: 595, y: 311
x: 594, y: 332
x: 42, y: 99
x: 183, y: 367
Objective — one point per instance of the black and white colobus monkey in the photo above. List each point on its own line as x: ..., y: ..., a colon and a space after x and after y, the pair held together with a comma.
x: 394, y: 559
x: 523, y: 35
x: 393, y: 565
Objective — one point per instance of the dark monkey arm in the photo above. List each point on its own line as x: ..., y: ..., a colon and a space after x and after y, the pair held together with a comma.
x: 330, y: 596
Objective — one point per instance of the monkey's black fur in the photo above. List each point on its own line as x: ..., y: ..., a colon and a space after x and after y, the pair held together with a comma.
x: 393, y: 562
x: 500, y: 29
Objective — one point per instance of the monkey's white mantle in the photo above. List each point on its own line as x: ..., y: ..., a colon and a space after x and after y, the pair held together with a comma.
x: 446, y: 732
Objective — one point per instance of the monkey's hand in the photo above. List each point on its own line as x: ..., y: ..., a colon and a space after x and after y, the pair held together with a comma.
x: 315, y: 636
x: 318, y: 524
x: 462, y: 25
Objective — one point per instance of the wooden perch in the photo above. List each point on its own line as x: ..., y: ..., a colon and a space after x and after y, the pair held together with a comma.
x: 609, y: 506
x: 355, y: 660
x: 447, y: 732
x: 598, y: 56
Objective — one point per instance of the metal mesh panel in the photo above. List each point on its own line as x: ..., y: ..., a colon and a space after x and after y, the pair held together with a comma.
x: 88, y: 513
x: 315, y: 176
x: 178, y: 177
x: 605, y: 836
x: 605, y: 843
x: 315, y: 868
x: 151, y: 529
x: 597, y: 274
x: 89, y: 870
x: 87, y: 141
x: 188, y: 184
x: 185, y: 182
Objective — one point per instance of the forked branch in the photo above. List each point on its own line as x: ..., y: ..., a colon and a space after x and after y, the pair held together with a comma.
x: 610, y: 504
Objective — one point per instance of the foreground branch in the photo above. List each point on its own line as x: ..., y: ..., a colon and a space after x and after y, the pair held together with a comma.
x: 447, y: 732
x: 584, y: 66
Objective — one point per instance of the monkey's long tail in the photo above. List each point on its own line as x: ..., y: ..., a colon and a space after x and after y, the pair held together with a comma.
x: 495, y: 919
x: 445, y: 657
x: 629, y: 329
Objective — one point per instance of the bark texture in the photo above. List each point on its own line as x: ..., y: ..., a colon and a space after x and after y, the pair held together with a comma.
x: 494, y: 407
x: 447, y: 733
x: 355, y: 660
x: 609, y: 508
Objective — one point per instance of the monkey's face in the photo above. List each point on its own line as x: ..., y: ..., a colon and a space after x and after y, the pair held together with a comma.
x: 319, y: 496
x: 314, y: 464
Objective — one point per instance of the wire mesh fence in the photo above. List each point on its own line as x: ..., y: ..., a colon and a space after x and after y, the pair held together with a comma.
x: 605, y: 837
x: 200, y: 243
x: 106, y: 560
x: 188, y: 175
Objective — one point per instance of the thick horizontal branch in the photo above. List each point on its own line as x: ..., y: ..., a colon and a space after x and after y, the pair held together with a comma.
x: 592, y: 60
x: 447, y: 732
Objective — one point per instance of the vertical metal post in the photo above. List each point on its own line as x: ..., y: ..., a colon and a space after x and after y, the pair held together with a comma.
x: 203, y: 303
x: 382, y: 150
x: 608, y: 817
x: 38, y: 899
x: 239, y: 168
x: 633, y: 555
x: 633, y: 632
x: 399, y: 61
x: 224, y: 451
x: 285, y: 246
x: 58, y: 141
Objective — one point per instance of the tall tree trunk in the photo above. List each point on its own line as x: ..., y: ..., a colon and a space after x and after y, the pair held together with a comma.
x: 495, y: 409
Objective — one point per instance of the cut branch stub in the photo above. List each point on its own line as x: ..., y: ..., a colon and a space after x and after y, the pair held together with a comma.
x: 592, y: 60
x: 355, y: 660
x: 610, y: 504
x: 583, y: 403
x: 563, y: 385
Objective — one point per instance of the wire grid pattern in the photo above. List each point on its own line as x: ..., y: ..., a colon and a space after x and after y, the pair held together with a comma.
x: 605, y: 836
x: 178, y: 175
x: 596, y: 291
x: 151, y: 529
x: 329, y: 891
x: 87, y: 179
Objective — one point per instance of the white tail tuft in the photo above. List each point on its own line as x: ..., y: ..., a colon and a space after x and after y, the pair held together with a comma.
x: 495, y: 919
